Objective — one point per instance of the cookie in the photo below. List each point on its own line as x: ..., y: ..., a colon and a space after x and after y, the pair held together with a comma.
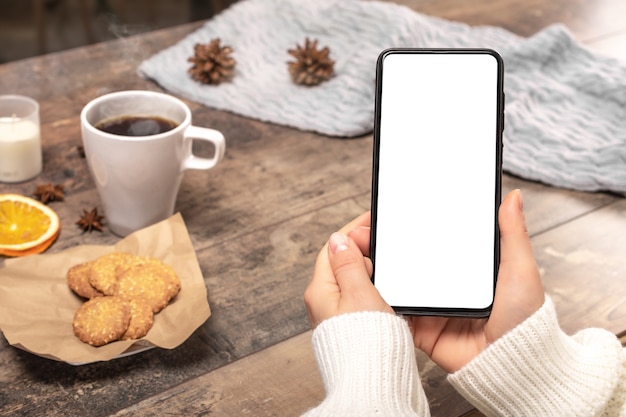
x: 141, y: 320
x: 106, y: 270
x: 101, y: 320
x: 153, y: 281
x: 78, y: 280
x: 125, y: 292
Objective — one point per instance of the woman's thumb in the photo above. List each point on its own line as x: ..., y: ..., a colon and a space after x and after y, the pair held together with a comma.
x: 348, y: 263
x: 351, y: 272
x: 519, y: 291
x: 515, y: 242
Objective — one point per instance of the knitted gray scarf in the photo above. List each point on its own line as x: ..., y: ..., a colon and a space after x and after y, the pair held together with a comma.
x: 565, y: 109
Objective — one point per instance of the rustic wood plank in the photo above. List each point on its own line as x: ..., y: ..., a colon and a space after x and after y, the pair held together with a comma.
x: 252, y: 386
x: 611, y: 45
x: 474, y: 413
x: 587, y: 19
x: 548, y: 207
x: 583, y: 269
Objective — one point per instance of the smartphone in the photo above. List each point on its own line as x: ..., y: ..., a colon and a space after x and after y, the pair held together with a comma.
x: 437, y: 167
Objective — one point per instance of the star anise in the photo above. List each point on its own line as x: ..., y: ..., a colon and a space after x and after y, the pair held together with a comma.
x: 90, y: 220
x: 49, y: 192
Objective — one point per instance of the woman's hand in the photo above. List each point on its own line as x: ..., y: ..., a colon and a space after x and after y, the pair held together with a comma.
x: 452, y: 342
x: 341, y: 282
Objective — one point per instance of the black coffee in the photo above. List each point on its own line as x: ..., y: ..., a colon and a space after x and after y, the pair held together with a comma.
x: 136, y: 125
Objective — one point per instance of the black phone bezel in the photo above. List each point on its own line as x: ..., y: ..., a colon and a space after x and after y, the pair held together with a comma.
x: 437, y: 311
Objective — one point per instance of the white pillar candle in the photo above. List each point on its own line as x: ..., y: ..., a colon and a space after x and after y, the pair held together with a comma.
x: 20, y: 145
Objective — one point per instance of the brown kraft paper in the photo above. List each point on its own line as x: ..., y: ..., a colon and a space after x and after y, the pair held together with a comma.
x: 37, y: 306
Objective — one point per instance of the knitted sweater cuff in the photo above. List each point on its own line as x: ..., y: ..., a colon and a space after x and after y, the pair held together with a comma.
x: 367, y: 362
x: 537, y: 370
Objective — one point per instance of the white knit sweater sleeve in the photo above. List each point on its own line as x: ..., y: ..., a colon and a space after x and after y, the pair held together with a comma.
x: 537, y: 370
x: 367, y: 362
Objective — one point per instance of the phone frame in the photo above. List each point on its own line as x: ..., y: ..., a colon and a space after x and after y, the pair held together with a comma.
x: 425, y: 310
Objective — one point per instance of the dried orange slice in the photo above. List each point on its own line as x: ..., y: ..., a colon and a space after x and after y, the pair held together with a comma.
x: 26, y: 225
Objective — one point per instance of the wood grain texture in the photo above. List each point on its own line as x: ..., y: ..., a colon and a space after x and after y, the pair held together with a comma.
x: 257, y: 222
x: 238, y: 388
x: 583, y: 267
x: 252, y: 381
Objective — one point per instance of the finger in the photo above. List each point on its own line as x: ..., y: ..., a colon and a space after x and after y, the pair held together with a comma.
x: 517, y: 260
x: 369, y: 266
x: 361, y: 236
x: 513, y: 231
x: 362, y: 220
x: 348, y: 264
x: 519, y: 290
x: 322, y: 282
x: 353, y: 272
x: 322, y: 294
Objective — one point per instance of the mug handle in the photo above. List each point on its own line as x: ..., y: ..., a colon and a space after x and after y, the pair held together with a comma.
x: 210, y: 135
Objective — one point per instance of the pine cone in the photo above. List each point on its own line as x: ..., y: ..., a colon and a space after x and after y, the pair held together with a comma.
x: 311, y: 66
x: 212, y: 63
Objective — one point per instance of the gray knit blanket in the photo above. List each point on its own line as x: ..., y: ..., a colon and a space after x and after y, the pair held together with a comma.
x: 565, y: 104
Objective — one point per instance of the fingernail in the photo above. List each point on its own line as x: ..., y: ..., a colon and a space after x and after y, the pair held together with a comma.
x: 338, y: 242
x: 520, y: 200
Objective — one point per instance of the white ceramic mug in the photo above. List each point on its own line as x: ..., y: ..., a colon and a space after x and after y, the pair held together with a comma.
x: 138, y: 177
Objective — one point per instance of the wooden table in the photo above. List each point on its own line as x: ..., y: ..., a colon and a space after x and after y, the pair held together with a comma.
x: 257, y: 222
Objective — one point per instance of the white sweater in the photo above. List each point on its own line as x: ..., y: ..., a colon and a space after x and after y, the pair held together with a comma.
x: 368, y: 366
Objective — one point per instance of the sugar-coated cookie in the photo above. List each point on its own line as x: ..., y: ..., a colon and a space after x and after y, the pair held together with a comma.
x: 106, y: 270
x: 141, y: 320
x: 154, y: 282
x: 78, y: 280
x: 124, y: 291
x: 102, y: 320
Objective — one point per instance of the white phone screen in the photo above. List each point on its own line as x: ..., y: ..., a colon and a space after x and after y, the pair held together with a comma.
x: 436, y: 188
